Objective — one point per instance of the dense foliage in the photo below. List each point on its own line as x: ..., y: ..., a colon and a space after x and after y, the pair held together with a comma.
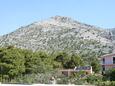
x: 110, y: 75
x: 25, y: 66
x: 15, y: 62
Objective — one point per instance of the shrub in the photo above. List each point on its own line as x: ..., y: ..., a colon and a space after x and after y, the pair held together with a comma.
x: 93, y: 79
x: 106, y: 83
x: 110, y: 74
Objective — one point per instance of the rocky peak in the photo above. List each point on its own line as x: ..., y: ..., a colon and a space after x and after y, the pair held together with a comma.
x: 61, y: 18
x: 59, y: 33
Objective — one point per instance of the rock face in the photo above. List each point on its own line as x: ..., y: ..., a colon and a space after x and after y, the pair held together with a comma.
x: 61, y: 33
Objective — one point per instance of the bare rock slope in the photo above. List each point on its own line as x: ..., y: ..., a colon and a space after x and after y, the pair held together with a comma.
x: 61, y: 33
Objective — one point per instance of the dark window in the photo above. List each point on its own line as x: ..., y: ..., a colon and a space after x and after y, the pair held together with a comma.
x: 103, y: 60
x: 113, y: 60
x: 103, y: 68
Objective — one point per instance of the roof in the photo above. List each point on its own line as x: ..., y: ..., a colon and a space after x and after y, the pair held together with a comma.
x: 82, y: 68
x: 108, y: 64
x: 67, y: 70
x: 111, y: 54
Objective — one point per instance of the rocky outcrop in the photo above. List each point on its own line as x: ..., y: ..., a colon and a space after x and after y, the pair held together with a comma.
x: 61, y: 33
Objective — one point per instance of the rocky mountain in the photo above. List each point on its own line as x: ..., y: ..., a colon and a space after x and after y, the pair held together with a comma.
x: 61, y: 33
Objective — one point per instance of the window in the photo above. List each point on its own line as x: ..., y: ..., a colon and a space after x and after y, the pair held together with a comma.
x: 103, y: 68
x: 113, y: 60
x: 103, y: 60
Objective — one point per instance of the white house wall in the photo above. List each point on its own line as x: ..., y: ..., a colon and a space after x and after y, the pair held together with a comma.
x: 108, y: 60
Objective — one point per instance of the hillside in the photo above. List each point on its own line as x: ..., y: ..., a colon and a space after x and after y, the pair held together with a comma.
x: 61, y: 33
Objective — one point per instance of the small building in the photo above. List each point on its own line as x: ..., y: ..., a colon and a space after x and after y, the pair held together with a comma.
x: 108, y: 61
x: 68, y: 72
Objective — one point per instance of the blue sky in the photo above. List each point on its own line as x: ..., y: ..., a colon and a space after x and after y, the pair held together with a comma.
x: 16, y: 13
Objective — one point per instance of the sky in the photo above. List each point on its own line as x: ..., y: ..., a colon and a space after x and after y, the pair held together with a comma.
x: 17, y: 13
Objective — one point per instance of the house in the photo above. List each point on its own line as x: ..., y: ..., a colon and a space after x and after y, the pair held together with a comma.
x: 68, y: 72
x: 108, y: 61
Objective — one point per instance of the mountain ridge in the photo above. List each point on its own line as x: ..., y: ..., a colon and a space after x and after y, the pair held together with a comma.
x: 61, y: 33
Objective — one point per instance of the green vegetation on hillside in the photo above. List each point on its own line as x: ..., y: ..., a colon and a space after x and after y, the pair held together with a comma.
x: 25, y: 66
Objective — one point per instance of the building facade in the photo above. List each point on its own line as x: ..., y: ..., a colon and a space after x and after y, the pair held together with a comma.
x: 68, y: 72
x: 108, y: 61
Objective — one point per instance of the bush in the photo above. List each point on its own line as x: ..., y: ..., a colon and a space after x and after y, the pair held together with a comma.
x: 110, y: 75
x: 106, y: 83
x: 93, y: 79
x: 63, y: 80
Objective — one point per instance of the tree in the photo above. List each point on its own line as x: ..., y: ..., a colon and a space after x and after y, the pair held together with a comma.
x: 75, y: 60
x: 46, y: 63
x: 68, y: 61
x: 110, y: 74
x: 92, y: 79
x: 62, y: 58
x: 95, y: 63
x: 12, y: 62
x: 37, y: 62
